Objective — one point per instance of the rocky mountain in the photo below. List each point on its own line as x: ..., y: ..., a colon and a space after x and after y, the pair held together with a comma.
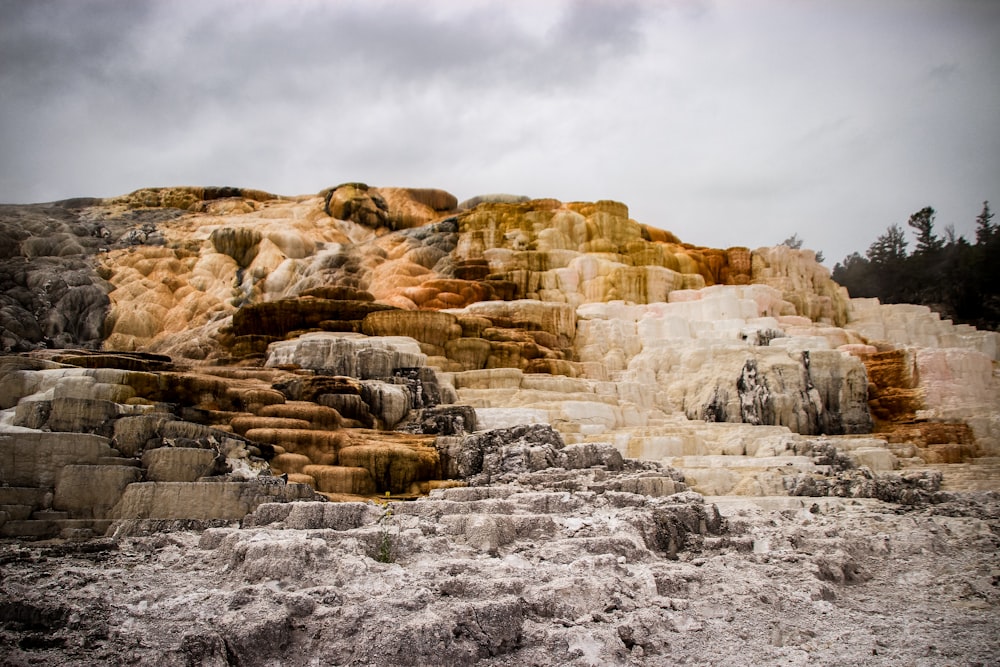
x: 499, y: 395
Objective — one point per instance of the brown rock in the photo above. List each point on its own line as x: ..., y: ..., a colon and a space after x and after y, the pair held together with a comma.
x: 35, y: 458
x: 91, y: 491
x: 292, y: 464
x: 427, y: 327
x: 471, y: 353
x: 394, y: 466
x: 277, y: 318
x: 202, y: 500
x: 178, y: 464
x: 341, y: 479
x: 320, y: 446
x: 358, y: 203
x: 243, y: 424
x: 240, y: 243
x: 318, y: 416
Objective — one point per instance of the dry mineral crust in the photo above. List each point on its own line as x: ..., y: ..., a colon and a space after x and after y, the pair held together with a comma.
x: 382, y: 426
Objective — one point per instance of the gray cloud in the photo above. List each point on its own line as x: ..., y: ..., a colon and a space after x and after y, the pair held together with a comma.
x: 729, y: 123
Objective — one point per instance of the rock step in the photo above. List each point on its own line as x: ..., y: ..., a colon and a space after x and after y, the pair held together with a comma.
x: 16, y: 512
x: 45, y: 528
x: 49, y: 515
x: 82, y: 528
x: 790, y: 463
x: 118, y: 461
x: 981, y: 474
x: 230, y: 500
x: 30, y: 529
x: 23, y: 495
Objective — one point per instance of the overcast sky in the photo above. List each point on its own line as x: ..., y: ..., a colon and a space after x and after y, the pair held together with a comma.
x: 728, y: 122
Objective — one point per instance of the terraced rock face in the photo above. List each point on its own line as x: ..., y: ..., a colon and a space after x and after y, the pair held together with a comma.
x: 355, y: 341
x: 555, y: 435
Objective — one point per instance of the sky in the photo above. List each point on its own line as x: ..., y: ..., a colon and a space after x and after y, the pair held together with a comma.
x: 727, y: 122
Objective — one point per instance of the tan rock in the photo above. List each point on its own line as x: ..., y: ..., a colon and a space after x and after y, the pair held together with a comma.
x: 241, y: 425
x: 35, y: 458
x: 341, y: 479
x: 803, y: 282
x: 434, y: 328
x: 352, y: 355
x: 318, y: 416
x: 201, y: 500
x: 298, y: 478
x: 178, y: 464
x: 292, y: 464
x: 393, y: 466
x: 320, y: 446
x: 358, y: 203
x: 469, y: 353
x: 414, y: 207
x: 92, y: 491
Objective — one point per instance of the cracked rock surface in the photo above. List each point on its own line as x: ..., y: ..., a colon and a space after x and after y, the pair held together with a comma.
x: 522, y: 574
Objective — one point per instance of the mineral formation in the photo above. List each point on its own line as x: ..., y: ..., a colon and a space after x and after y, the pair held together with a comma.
x: 518, y: 407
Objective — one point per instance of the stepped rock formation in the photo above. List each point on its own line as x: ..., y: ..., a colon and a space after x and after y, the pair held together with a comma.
x: 551, y: 384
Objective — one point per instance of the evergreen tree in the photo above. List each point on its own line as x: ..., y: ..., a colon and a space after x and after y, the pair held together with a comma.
x: 985, y: 230
x: 889, y: 247
x: 856, y: 275
x: 923, y: 222
x: 952, y: 276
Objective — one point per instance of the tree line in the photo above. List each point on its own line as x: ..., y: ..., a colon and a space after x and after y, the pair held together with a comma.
x: 954, y: 277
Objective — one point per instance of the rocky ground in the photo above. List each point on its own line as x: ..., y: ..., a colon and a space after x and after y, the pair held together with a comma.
x: 544, y: 571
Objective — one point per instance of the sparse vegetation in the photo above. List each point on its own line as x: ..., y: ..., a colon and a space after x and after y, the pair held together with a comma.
x: 385, y: 551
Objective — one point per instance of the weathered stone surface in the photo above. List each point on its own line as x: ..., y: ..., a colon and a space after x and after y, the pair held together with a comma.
x: 320, y: 446
x: 393, y: 466
x: 358, y: 203
x: 317, y: 416
x: 314, y: 515
x: 433, y: 328
x: 505, y: 453
x: 82, y: 415
x: 178, y: 464
x: 132, y: 435
x: 448, y: 420
x: 804, y: 283
x: 505, y: 574
x: 290, y: 463
x: 348, y: 354
x: 619, y: 337
x: 35, y: 458
x: 92, y: 491
x: 201, y: 500
x: 277, y: 318
x: 341, y: 479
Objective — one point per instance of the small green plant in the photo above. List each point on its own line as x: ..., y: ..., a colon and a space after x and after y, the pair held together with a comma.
x: 385, y: 551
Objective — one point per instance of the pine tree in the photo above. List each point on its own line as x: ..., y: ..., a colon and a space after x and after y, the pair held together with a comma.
x: 923, y: 222
x: 984, y: 228
x: 889, y: 247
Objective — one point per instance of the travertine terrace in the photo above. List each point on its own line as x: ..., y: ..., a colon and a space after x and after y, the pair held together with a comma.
x: 496, y: 395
